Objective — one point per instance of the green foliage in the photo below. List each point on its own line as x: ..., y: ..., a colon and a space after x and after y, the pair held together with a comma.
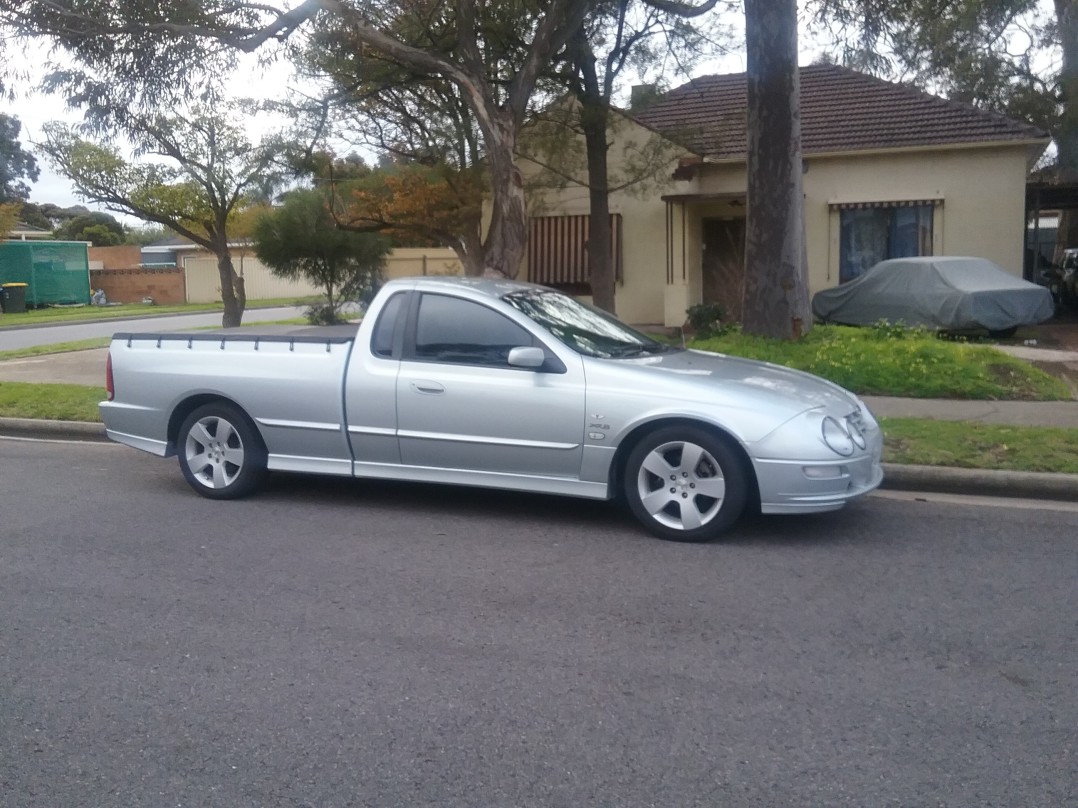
x: 301, y: 239
x: 708, y: 320
x: 16, y: 164
x: 147, y: 234
x: 904, y: 362
x: 9, y: 217
x: 100, y: 228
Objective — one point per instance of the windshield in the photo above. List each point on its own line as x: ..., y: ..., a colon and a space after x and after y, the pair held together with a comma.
x: 584, y: 329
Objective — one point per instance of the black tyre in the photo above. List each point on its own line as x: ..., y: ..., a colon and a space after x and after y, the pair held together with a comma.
x: 685, y: 484
x: 221, y: 454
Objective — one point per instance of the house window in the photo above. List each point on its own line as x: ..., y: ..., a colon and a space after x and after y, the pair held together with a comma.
x: 874, y: 233
x: 558, y: 251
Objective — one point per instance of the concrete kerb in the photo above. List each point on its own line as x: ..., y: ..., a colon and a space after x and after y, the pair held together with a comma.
x: 935, y: 479
x: 55, y: 430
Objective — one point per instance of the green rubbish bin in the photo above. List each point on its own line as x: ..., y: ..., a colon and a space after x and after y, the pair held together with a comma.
x: 14, y: 297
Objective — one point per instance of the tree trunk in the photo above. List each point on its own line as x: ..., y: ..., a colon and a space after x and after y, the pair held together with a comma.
x: 233, y: 294
x: 594, y: 114
x: 507, y: 237
x: 471, y: 255
x: 1066, y: 136
x: 776, y: 302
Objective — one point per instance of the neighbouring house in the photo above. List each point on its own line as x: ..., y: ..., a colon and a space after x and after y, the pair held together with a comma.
x: 889, y: 171
x: 28, y: 232
x: 177, y: 270
x: 119, y: 272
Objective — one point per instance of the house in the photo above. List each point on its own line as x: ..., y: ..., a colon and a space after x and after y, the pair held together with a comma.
x: 175, y: 270
x: 28, y: 232
x: 889, y: 171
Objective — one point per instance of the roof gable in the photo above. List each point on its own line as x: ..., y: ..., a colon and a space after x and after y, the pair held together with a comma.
x: 841, y: 110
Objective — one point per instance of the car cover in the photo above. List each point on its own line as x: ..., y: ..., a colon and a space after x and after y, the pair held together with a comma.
x: 943, y: 292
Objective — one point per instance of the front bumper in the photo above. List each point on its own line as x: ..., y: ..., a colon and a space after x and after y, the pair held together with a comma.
x: 799, y: 486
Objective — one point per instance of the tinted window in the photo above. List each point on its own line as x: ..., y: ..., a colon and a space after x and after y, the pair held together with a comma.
x: 453, y: 330
x: 382, y: 340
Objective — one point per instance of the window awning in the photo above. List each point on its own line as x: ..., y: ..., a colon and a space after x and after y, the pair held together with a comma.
x: 839, y: 204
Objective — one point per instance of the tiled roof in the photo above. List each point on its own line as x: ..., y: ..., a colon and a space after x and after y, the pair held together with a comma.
x: 841, y: 110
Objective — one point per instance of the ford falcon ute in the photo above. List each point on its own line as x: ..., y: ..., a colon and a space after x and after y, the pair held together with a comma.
x: 498, y: 384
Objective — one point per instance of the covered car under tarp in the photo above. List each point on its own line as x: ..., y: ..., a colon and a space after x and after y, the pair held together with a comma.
x: 942, y: 292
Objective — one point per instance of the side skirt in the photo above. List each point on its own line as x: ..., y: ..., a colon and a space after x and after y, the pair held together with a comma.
x: 484, y: 479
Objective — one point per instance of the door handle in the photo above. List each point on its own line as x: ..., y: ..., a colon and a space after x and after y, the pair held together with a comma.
x: 428, y: 388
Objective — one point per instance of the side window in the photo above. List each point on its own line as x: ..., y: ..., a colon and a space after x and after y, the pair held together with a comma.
x: 449, y: 329
x: 382, y: 339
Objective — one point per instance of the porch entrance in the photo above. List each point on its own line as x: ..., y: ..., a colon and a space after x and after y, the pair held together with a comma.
x: 723, y: 264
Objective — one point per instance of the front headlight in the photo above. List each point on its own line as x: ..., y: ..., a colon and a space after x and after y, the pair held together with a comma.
x: 842, y: 437
x: 818, y: 435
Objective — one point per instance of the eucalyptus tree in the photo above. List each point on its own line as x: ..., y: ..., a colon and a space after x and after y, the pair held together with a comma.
x: 17, y: 166
x: 432, y: 177
x: 648, y: 40
x: 776, y: 296
x: 149, y: 40
x: 191, y: 171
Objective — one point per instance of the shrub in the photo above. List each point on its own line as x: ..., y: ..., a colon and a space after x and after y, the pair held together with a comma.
x: 708, y: 320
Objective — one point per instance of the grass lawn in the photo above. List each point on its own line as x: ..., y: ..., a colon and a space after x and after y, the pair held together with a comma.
x: 980, y: 446
x: 889, y: 361
x: 56, y: 402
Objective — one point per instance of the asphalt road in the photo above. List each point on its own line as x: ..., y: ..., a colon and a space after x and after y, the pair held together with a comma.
x: 14, y: 338
x: 330, y: 643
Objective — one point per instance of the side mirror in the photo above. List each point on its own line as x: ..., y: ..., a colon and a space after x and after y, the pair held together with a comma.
x: 528, y: 357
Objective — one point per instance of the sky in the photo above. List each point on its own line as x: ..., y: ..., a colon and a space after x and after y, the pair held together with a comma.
x: 36, y: 109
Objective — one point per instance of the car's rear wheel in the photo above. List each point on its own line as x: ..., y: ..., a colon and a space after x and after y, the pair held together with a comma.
x: 221, y: 454
x: 685, y: 484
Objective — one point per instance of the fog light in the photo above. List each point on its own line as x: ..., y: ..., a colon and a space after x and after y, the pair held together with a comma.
x: 824, y: 472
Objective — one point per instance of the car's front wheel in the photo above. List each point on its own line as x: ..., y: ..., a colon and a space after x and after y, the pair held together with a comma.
x: 685, y: 484
x: 221, y: 454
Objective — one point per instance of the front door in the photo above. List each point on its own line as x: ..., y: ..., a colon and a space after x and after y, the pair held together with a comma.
x: 461, y: 406
x: 724, y: 264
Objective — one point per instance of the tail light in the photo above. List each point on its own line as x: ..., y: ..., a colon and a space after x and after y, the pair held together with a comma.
x: 109, y: 386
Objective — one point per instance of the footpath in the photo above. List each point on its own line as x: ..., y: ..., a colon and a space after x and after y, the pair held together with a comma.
x: 88, y: 368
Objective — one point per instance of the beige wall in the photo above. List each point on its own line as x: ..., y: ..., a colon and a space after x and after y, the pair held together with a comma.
x: 980, y: 197
x: 204, y: 284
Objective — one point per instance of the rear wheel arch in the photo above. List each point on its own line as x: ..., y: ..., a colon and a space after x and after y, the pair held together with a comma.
x: 189, y: 405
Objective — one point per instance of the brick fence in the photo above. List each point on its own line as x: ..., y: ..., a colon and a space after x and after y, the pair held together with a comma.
x: 164, y: 285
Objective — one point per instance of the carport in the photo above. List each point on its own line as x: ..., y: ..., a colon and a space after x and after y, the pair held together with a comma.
x: 1045, y: 195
